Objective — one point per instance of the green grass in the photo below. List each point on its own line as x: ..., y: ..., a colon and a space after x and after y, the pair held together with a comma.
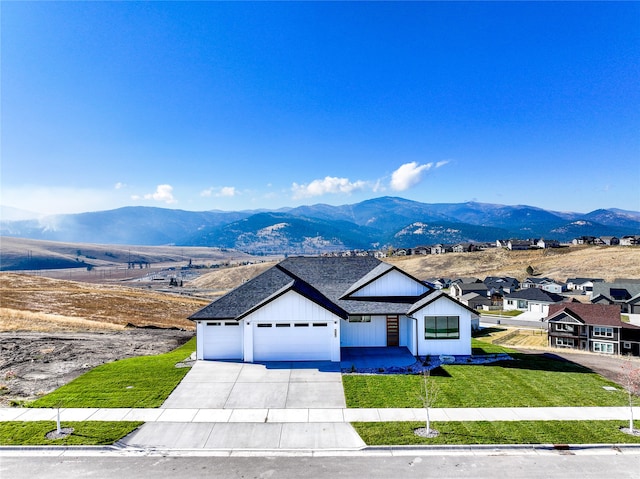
x: 501, y: 432
x: 87, y: 433
x: 529, y: 380
x: 144, y: 381
x: 508, y: 313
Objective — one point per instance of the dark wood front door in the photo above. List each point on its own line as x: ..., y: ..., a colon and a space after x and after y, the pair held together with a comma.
x: 393, y: 331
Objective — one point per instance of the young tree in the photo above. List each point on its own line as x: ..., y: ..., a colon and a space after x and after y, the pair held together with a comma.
x: 428, y: 395
x: 631, y: 383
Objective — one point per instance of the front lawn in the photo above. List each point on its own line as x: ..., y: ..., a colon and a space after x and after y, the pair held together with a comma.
x: 86, y: 433
x: 529, y: 380
x: 499, y: 432
x: 144, y: 381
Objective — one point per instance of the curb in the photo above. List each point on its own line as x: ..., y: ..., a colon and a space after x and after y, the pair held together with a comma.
x: 484, y: 449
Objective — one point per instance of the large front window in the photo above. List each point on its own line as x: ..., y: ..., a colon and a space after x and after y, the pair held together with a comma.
x: 442, y: 327
x: 606, y: 348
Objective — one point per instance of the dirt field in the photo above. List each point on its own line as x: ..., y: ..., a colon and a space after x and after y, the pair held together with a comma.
x: 35, y: 363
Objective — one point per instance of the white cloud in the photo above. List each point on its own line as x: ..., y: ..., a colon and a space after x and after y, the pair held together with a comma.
x: 329, y: 184
x: 227, y: 191
x: 410, y: 174
x: 224, y: 192
x: 119, y: 185
x: 163, y: 193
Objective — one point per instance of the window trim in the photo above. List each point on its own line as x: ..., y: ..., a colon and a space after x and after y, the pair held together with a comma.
x: 442, y: 331
x: 602, y: 332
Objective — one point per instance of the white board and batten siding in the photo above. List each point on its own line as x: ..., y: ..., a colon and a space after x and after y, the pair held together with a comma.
x: 291, y: 328
x: 365, y: 334
x: 453, y: 347
x: 393, y: 283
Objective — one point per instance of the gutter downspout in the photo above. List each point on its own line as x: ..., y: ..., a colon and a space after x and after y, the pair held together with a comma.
x: 415, y: 339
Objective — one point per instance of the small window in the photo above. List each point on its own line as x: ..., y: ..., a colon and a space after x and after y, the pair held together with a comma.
x: 264, y: 325
x: 319, y: 325
x: 214, y: 324
x: 626, y: 345
x: 282, y: 325
x: 233, y: 323
x: 360, y: 318
x: 301, y: 325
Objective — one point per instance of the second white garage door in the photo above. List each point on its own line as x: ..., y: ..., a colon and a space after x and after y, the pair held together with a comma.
x: 296, y: 341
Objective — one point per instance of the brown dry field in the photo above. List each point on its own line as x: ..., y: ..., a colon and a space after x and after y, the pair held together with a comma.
x: 607, y: 262
x: 31, y: 302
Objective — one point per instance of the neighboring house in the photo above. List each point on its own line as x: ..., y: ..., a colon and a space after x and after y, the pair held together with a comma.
x: 546, y: 284
x: 543, y: 243
x: 591, y: 327
x: 307, y: 308
x: 630, y: 240
x: 517, y: 245
x: 501, y: 285
x: 438, y: 283
x: 457, y: 290
x: 585, y: 240
x: 624, y: 294
x: 475, y: 300
x: 464, y: 248
x: 582, y: 284
x: 610, y: 240
x: 533, y: 300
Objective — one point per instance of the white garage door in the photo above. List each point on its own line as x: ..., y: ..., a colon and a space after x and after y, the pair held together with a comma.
x: 222, y: 340
x: 296, y: 341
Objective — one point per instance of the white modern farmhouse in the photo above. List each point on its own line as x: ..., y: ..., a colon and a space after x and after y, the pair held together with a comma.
x: 307, y: 308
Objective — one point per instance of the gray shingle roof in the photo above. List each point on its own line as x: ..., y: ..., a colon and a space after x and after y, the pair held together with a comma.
x: 324, y: 280
x: 536, y: 294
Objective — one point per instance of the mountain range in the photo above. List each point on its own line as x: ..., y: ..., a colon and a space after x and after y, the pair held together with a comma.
x: 376, y: 223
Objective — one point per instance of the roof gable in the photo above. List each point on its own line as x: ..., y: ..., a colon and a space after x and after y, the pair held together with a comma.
x: 592, y: 314
x: 435, y: 296
x: 386, y: 281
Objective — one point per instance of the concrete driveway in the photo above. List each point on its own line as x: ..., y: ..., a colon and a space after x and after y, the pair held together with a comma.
x: 282, y: 385
x: 250, y: 393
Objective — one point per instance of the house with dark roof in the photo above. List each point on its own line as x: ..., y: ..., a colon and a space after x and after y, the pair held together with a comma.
x: 533, y: 300
x: 546, y: 284
x: 501, y: 284
x: 308, y: 308
x: 585, y: 285
x: 457, y: 290
x: 591, y: 327
x: 623, y: 293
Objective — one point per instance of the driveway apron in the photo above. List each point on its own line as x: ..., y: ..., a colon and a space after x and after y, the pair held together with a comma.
x: 250, y: 390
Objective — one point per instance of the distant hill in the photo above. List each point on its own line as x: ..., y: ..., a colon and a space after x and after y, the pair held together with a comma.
x: 312, y: 229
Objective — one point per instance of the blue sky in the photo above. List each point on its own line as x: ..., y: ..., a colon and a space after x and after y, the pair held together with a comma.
x: 236, y: 106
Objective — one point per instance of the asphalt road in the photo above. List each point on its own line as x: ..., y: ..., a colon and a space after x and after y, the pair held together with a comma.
x: 459, y: 466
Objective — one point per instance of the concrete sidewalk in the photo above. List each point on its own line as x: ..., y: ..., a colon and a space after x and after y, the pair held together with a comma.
x: 322, y: 415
